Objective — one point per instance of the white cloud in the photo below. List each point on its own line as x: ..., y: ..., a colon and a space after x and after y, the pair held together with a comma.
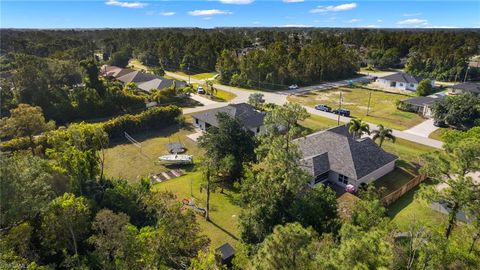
x: 208, y: 12
x: 413, y: 22
x: 369, y: 26
x: 295, y: 25
x: 237, y: 2
x: 379, y: 20
x: 125, y: 4
x: 169, y: 13
x: 293, y: 1
x: 342, y: 7
x: 353, y: 20
x: 411, y: 14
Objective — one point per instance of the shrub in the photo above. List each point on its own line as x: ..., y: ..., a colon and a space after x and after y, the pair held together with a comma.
x: 425, y: 88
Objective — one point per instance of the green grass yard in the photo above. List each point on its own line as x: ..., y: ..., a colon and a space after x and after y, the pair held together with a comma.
x: 124, y: 160
x: 437, y: 134
x: 223, y: 209
x: 316, y: 123
x: 383, y: 109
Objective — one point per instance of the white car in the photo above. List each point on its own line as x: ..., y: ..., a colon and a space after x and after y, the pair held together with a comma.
x: 292, y: 87
x: 200, y: 90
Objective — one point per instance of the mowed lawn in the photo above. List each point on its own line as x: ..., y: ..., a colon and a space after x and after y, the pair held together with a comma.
x: 125, y: 160
x: 316, y: 123
x: 224, y: 212
x: 383, y: 108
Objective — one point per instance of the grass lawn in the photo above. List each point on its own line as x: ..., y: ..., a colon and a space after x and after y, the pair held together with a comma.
x: 220, y: 95
x: 437, y: 134
x: 383, y: 109
x: 394, y: 180
x: 316, y: 123
x: 137, y: 65
x: 407, y: 150
x: 198, y: 76
x: 223, y: 210
x: 124, y: 160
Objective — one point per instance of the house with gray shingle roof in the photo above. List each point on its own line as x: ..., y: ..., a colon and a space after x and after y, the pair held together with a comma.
x: 334, y: 155
x: 466, y: 87
x: 401, y: 81
x: 144, y: 81
x: 250, y: 118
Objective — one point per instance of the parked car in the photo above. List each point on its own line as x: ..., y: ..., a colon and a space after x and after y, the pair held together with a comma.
x: 342, y: 112
x: 292, y: 87
x: 439, y: 123
x: 323, y: 107
x: 200, y: 90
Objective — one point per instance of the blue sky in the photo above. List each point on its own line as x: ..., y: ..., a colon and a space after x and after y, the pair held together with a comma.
x: 236, y: 13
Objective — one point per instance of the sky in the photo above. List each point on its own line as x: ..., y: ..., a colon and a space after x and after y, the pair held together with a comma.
x: 239, y: 13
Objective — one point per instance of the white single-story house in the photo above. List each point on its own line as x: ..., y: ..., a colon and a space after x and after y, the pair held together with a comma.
x: 401, y: 81
x: 250, y: 118
x: 420, y: 105
x: 334, y: 155
x: 466, y: 87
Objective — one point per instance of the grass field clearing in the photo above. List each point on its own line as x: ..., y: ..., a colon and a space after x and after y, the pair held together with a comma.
x: 383, y: 109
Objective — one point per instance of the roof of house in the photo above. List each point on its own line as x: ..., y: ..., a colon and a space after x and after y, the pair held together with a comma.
x: 159, y: 83
x: 420, y: 101
x: 468, y: 87
x: 243, y: 112
x: 226, y: 250
x: 337, y: 150
x: 403, y: 77
x: 136, y: 77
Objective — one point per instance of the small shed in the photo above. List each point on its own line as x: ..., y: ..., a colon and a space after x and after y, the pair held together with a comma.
x: 227, y: 253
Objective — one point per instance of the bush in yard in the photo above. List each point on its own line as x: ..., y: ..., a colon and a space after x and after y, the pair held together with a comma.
x: 425, y: 88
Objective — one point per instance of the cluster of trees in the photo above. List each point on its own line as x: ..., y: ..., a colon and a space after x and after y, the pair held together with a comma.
x: 461, y: 111
x: 63, y: 213
x: 282, y: 64
x: 287, y: 225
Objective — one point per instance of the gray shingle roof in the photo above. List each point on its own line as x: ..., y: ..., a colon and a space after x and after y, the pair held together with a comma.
x: 136, y: 77
x: 243, y: 112
x: 159, y: 83
x: 316, y: 165
x: 420, y: 101
x: 468, y: 87
x: 345, y: 155
x: 403, y: 77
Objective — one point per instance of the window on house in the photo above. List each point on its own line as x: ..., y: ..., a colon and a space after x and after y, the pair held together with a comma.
x: 401, y: 84
x: 342, y: 179
x: 412, y: 85
x: 196, y: 121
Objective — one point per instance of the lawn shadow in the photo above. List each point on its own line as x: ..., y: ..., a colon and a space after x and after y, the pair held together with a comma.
x: 401, y: 203
x: 224, y: 230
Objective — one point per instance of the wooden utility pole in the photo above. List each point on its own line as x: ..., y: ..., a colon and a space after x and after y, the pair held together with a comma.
x: 339, y: 107
x: 369, y: 98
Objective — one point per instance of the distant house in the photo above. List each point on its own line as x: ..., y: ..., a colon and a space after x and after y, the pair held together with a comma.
x: 466, y: 87
x: 144, y: 81
x: 334, y: 155
x: 420, y: 105
x: 401, y: 81
x: 250, y: 118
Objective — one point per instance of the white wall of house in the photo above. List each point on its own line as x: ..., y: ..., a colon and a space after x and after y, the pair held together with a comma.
x: 375, y: 174
x: 199, y: 123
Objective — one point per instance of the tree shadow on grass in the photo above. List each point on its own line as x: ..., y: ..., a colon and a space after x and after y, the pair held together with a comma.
x: 224, y: 230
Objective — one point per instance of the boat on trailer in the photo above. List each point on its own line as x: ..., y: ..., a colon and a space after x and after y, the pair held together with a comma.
x: 176, y: 159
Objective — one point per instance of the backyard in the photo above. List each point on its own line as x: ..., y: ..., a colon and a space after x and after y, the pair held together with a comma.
x: 383, y: 109
x: 125, y: 160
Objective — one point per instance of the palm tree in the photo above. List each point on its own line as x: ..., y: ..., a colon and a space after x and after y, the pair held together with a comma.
x: 383, y: 133
x: 357, y: 128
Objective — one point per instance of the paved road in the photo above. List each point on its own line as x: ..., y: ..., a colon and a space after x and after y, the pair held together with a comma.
x: 281, y: 98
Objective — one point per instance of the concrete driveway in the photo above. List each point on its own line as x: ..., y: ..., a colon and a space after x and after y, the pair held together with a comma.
x: 423, y: 129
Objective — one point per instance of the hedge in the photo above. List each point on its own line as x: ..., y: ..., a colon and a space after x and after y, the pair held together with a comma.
x: 150, y: 119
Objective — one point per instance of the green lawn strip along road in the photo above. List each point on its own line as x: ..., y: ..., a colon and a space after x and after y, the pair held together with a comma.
x: 383, y: 109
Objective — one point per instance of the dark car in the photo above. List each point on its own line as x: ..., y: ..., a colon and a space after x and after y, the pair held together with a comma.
x: 439, y: 123
x: 323, y: 107
x: 342, y: 112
